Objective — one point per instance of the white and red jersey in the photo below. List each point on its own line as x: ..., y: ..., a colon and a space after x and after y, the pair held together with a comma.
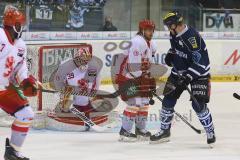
x: 87, y: 79
x: 12, y: 60
x: 140, y: 51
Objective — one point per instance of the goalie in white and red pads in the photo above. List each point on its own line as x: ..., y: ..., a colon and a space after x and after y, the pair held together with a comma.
x: 14, y: 75
x: 81, y: 73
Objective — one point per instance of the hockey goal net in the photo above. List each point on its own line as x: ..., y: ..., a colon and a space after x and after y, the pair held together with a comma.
x: 42, y: 61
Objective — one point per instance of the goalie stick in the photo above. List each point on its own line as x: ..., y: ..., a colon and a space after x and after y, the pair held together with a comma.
x: 88, y: 121
x: 79, y: 114
x: 111, y: 95
x: 76, y: 112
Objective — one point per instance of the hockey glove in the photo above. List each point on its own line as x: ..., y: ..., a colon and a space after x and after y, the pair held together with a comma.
x: 184, y: 80
x: 170, y: 56
x: 29, y: 86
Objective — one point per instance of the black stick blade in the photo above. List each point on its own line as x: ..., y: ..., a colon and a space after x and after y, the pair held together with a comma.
x: 235, y: 95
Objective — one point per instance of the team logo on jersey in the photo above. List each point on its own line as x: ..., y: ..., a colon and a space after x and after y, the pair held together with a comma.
x: 180, y: 43
x: 9, y: 66
x: 83, y: 84
x: 20, y: 52
x: 196, y: 57
x: 193, y: 42
x: 92, y: 72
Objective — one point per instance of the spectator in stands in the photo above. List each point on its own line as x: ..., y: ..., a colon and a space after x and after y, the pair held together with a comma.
x: 60, y: 4
x: 210, y: 3
x: 108, y: 26
x: 230, y: 4
x: 192, y: 12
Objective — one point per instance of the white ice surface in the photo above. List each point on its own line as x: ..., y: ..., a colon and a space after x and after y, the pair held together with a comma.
x: 185, y: 144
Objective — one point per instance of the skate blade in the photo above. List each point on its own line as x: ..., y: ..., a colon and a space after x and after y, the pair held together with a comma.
x: 142, y: 138
x: 6, y: 158
x: 164, y: 140
x: 211, y: 145
x: 127, y: 139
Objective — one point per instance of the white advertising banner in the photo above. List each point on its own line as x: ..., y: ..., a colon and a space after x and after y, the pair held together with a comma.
x: 63, y: 35
x: 116, y: 35
x: 89, y: 35
x: 126, y: 35
x: 221, y: 22
x: 224, y: 54
x: 37, y: 36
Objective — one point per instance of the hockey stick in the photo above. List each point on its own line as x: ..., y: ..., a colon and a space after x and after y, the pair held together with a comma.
x: 237, y: 96
x: 189, y: 91
x: 111, y: 95
x: 181, y: 117
x: 79, y: 114
x: 88, y: 121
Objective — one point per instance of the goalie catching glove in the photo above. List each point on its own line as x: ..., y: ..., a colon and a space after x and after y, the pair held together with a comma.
x: 29, y: 86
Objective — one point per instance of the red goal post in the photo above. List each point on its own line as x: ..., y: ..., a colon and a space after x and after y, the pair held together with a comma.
x: 48, y: 57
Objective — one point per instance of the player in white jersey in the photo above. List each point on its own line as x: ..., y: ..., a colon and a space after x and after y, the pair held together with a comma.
x: 136, y: 67
x: 13, y: 77
x: 85, y: 75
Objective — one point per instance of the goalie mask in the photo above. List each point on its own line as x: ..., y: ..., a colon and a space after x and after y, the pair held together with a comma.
x: 82, y: 57
x: 14, y: 20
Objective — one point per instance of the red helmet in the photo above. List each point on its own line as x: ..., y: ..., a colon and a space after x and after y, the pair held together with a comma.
x: 12, y: 17
x: 146, y: 24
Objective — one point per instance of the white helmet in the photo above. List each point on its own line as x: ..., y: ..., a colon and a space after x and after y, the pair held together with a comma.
x: 83, y: 56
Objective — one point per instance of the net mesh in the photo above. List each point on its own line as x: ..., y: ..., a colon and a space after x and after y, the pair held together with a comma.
x: 42, y: 61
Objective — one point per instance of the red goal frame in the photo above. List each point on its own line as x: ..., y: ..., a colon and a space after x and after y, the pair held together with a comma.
x: 40, y: 63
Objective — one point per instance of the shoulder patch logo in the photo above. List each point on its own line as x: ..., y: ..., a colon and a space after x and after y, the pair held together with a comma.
x: 20, y: 52
x: 193, y: 42
x: 92, y: 72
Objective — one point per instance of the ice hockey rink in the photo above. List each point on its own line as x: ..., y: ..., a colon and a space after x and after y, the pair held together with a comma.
x: 185, y: 144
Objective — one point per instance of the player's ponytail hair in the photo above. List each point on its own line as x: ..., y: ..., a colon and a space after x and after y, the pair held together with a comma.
x: 139, y: 33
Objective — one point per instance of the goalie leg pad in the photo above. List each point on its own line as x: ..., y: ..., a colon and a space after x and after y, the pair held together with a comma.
x: 21, y: 126
x: 86, y: 109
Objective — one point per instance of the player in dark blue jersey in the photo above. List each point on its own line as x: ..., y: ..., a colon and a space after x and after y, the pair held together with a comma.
x: 188, y: 57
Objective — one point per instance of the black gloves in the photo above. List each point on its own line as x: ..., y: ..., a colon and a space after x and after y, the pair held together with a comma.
x: 170, y: 56
x: 184, y: 80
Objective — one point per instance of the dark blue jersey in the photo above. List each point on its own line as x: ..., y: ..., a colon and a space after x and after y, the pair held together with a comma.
x: 192, y: 55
